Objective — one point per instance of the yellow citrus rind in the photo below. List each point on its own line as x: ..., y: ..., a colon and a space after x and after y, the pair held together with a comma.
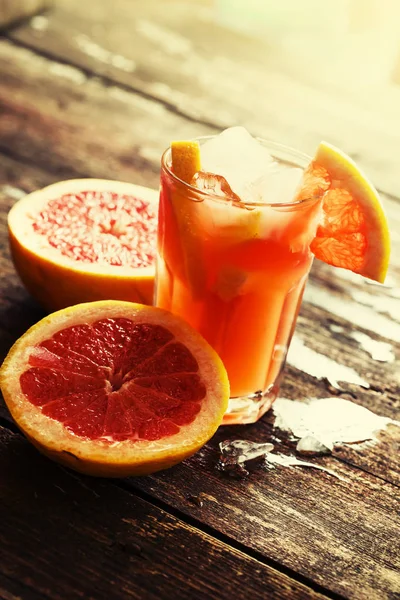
x: 56, y: 281
x: 119, y: 458
x: 347, y: 175
x: 185, y: 156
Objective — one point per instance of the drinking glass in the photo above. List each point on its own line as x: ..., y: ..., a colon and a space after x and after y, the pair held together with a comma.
x: 236, y: 272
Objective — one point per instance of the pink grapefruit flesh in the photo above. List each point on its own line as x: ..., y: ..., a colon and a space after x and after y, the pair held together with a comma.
x: 114, y: 388
x: 84, y: 240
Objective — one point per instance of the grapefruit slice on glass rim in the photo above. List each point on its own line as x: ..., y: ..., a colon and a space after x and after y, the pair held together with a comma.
x: 86, y: 239
x: 353, y: 232
x: 114, y: 388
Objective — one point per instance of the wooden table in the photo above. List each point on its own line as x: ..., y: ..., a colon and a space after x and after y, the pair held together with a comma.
x: 98, y: 89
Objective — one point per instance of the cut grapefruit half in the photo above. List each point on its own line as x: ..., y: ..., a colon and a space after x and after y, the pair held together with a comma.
x: 353, y: 233
x: 115, y: 389
x: 86, y: 239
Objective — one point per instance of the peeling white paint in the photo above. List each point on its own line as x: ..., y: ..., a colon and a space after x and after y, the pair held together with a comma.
x: 382, y: 304
x: 170, y: 41
x: 390, y: 282
x: 94, y: 50
x: 395, y: 292
x: 39, y: 23
x: 317, y: 365
x: 291, y: 461
x: 358, y: 314
x: 380, y: 351
x: 67, y: 72
x: 329, y: 420
x: 12, y: 192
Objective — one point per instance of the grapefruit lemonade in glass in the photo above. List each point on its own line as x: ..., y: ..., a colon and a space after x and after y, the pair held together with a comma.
x: 234, y: 255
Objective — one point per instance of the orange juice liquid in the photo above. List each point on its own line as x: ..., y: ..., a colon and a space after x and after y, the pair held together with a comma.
x: 238, y: 278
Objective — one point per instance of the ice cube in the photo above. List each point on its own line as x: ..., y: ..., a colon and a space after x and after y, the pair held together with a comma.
x: 243, y: 450
x: 236, y: 455
x: 311, y: 446
x: 238, y: 157
x: 277, y: 185
x: 214, y: 184
x: 218, y: 218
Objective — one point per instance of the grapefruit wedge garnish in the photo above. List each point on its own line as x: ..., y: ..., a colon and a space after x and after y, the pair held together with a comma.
x: 86, y: 239
x: 353, y: 233
x: 114, y: 388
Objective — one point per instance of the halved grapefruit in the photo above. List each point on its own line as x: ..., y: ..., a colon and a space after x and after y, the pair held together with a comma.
x: 84, y: 240
x: 114, y: 388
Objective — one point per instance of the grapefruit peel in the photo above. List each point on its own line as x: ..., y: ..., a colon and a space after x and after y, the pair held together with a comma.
x: 185, y: 156
x: 367, y: 218
x: 101, y: 457
x: 185, y: 162
x: 57, y: 281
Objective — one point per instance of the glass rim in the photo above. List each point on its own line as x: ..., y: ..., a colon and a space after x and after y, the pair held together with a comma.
x: 274, y: 146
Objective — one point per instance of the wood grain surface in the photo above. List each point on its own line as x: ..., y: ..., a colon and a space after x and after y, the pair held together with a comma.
x: 99, y: 89
x: 175, y: 52
x: 93, y: 540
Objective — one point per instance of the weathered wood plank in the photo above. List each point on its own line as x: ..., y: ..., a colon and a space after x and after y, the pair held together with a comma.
x: 89, y: 539
x: 53, y: 116
x: 16, y: 10
x: 268, y: 513
x: 179, y: 54
x: 342, y: 533
x: 17, y: 310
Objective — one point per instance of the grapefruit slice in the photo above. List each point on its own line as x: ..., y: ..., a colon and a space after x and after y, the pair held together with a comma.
x: 84, y: 240
x: 114, y: 388
x: 353, y: 233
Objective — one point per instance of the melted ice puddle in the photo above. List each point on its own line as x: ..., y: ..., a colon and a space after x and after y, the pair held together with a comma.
x: 328, y: 420
x: 290, y: 461
x: 236, y: 453
x: 317, y: 365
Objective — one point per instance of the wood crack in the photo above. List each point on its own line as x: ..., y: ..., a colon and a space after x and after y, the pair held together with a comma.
x: 108, y: 81
x: 24, y: 160
x: 215, y: 533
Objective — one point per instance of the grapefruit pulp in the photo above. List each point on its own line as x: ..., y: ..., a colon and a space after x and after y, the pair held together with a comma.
x: 113, y: 388
x: 84, y: 240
